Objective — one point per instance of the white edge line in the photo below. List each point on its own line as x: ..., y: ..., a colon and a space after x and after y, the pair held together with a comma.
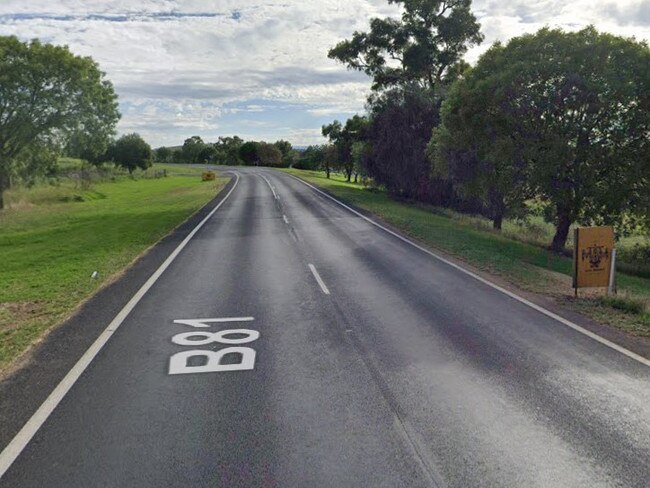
x: 20, y: 441
x: 275, y: 195
x: 286, y: 220
x: 548, y: 313
x: 319, y: 280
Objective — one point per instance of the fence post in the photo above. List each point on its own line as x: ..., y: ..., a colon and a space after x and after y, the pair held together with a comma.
x: 611, y: 289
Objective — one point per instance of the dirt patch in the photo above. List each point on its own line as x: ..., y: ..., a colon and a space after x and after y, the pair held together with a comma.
x: 20, y: 205
x: 13, y: 314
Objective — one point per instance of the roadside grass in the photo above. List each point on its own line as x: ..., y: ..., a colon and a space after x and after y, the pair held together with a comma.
x: 525, y: 264
x: 53, y: 237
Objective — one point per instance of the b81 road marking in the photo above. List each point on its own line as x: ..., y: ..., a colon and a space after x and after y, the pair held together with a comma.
x: 180, y: 363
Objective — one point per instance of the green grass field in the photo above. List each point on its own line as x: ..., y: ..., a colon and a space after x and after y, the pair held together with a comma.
x: 523, y: 263
x: 53, y: 237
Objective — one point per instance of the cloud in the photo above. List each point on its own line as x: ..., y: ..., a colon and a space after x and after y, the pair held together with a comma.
x: 257, y: 67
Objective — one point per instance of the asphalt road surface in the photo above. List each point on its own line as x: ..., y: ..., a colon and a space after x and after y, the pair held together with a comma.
x: 357, y: 360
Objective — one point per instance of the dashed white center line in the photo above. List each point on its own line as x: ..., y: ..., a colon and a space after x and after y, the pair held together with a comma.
x: 275, y: 195
x: 319, y: 280
x: 286, y: 220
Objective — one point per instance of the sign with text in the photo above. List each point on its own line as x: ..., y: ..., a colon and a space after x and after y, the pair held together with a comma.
x: 592, y: 256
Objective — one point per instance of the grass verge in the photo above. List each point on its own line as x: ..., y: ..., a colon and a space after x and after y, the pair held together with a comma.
x: 523, y: 264
x: 52, y: 238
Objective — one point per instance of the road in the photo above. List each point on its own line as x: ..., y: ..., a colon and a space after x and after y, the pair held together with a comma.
x: 365, y: 362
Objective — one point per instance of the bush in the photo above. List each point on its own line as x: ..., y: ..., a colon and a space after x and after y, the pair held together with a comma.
x: 208, y: 176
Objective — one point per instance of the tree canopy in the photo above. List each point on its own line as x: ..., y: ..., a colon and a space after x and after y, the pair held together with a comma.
x: 566, y: 115
x: 131, y: 151
x: 343, y: 138
x: 48, y: 98
x: 422, y: 47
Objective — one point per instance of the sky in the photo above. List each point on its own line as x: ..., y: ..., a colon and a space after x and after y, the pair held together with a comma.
x: 256, y: 68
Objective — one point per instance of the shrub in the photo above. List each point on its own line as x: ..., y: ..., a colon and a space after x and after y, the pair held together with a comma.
x: 208, y: 176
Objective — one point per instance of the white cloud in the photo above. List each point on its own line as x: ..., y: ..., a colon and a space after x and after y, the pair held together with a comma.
x: 184, y: 67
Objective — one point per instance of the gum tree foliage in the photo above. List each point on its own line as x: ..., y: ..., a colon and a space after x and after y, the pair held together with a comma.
x: 343, y: 137
x: 248, y: 153
x: 359, y: 154
x: 311, y: 158
x: 477, y: 146
x: 50, y: 98
x: 269, y: 155
x: 401, y: 123
x: 209, y: 154
x: 286, y: 149
x: 330, y: 159
x: 412, y: 61
x: 191, y: 150
x: 131, y: 152
x: 254, y: 153
x: 428, y: 41
x: 570, y: 113
x: 163, y: 155
x: 229, y: 149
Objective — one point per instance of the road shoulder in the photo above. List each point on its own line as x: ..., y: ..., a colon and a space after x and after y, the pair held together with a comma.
x: 25, y: 385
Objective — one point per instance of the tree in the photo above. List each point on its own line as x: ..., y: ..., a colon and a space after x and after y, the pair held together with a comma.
x: 177, y: 156
x: 286, y: 150
x: 359, y: 154
x: 477, y: 146
x: 577, y: 108
x: 401, y: 121
x: 131, y: 152
x: 248, y: 153
x: 330, y: 158
x: 48, y: 95
x: 209, y: 154
x: 422, y: 47
x: 268, y: 154
x: 163, y: 155
x: 332, y: 155
x: 229, y: 148
x: 343, y: 137
x: 191, y: 149
x: 311, y: 158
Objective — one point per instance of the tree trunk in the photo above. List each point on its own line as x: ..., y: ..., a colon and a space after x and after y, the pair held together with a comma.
x: 497, y: 222
x: 349, y: 175
x: 4, y: 185
x: 327, y: 171
x: 498, y: 209
x: 561, y: 232
x: 356, y: 175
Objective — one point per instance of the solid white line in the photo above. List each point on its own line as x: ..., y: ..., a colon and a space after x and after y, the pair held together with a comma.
x: 286, y: 220
x: 275, y: 195
x: 532, y: 305
x: 319, y: 280
x: 18, y: 443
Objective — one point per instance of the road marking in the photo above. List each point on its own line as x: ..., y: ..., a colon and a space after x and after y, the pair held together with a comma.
x: 178, y: 362
x: 221, y: 336
x: 275, y: 195
x: 286, y: 220
x: 206, y: 322
x: 20, y: 441
x: 319, y: 280
x: 520, y: 299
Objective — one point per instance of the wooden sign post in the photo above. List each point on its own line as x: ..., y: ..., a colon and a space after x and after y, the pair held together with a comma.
x: 593, y: 258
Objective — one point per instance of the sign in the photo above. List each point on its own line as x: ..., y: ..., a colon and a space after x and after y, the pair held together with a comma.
x: 592, y: 257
